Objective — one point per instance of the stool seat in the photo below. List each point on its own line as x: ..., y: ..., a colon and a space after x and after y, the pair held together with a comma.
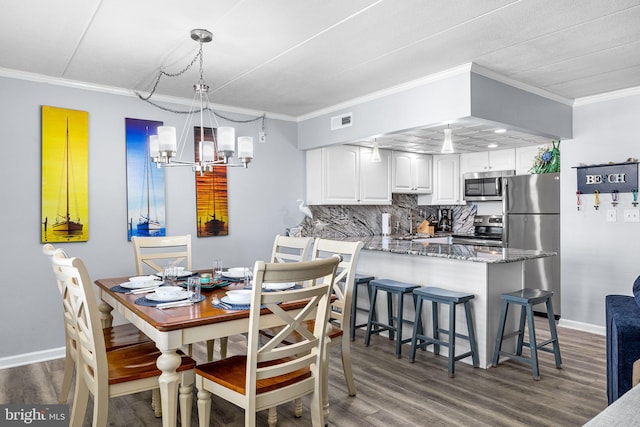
x: 527, y: 298
x: 391, y: 287
x: 452, y: 299
x: 443, y: 295
x: 363, y: 279
x: 360, y: 279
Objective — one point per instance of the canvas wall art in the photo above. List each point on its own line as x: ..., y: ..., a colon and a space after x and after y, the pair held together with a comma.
x: 212, y: 207
x: 145, y: 182
x: 65, y: 175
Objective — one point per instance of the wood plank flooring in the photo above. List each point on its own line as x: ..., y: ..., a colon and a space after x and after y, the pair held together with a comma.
x: 394, y: 392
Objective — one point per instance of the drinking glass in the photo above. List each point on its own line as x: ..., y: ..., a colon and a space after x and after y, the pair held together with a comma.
x: 248, y: 278
x: 194, y: 288
x: 217, y: 269
x: 170, y: 275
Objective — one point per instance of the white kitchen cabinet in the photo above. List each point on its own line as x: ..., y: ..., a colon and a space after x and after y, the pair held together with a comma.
x: 345, y: 175
x: 525, y: 157
x: 446, y: 181
x: 411, y: 173
x: 487, y: 161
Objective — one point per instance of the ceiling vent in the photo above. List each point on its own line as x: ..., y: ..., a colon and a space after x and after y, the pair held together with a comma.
x: 342, y: 121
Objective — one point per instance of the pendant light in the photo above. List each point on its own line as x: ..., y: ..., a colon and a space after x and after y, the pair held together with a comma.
x: 447, y: 145
x: 375, y: 155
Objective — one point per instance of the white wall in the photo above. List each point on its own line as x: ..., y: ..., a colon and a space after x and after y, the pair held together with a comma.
x: 262, y: 202
x: 598, y: 258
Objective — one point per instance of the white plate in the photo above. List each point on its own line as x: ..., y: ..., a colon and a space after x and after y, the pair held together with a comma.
x: 143, y: 278
x: 158, y: 298
x: 139, y: 285
x: 235, y: 273
x: 225, y: 299
x: 278, y: 286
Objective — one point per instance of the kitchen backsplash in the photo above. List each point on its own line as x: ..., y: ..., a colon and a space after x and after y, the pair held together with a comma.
x: 353, y: 220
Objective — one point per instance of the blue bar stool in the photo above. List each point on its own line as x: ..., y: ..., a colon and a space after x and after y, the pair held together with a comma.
x: 391, y: 287
x: 527, y: 298
x: 452, y: 299
x: 361, y: 279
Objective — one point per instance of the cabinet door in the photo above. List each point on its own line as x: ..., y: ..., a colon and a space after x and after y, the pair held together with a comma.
x: 402, y: 176
x: 501, y: 160
x: 446, y: 174
x: 375, y: 178
x: 474, y: 162
x: 412, y: 173
x: 341, y: 172
x: 423, y: 174
x: 525, y: 157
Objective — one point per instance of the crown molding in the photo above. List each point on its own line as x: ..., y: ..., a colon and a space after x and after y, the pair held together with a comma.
x: 608, y: 96
x: 41, y: 78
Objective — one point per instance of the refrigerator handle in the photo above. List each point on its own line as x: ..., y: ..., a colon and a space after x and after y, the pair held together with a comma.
x: 505, y: 216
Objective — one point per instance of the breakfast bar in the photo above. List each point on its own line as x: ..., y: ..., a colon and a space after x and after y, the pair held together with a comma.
x: 484, y: 271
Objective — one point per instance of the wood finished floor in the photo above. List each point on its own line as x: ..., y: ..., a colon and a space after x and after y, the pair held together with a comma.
x: 394, y: 392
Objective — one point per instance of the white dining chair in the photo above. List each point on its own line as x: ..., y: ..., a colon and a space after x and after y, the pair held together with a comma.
x: 160, y: 252
x: 114, y: 337
x: 276, y: 371
x: 339, y: 326
x: 291, y: 249
x: 104, y: 374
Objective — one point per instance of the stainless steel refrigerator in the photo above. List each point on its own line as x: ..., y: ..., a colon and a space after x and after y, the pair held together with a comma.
x: 532, y: 221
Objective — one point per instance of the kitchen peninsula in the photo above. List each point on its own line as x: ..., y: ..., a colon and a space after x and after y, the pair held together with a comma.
x: 484, y: 271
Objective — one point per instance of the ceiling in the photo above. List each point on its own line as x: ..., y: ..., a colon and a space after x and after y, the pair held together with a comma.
x: 292, y: 58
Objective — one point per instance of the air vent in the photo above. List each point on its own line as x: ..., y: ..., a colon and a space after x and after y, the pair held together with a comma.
x: 343, y: 121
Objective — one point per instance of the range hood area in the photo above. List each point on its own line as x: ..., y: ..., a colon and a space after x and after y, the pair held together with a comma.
x: 472, y: 101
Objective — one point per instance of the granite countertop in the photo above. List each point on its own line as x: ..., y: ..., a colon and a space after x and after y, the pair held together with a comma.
x: 459, y: 252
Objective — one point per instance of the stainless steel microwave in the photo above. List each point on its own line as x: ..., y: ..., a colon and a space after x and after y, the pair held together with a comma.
x: 484, y: 186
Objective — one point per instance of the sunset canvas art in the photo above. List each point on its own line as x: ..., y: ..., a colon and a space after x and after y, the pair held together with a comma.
x: 212, y: 207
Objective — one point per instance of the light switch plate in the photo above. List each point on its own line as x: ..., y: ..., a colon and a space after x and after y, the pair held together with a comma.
x: 632, y: 215
x: 611, y: 215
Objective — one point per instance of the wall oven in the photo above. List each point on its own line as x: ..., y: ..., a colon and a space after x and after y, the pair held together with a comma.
x: 484, y: 186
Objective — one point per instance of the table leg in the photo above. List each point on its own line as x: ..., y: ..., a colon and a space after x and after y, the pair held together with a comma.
x: 105, y: 314
x: 168, y: 362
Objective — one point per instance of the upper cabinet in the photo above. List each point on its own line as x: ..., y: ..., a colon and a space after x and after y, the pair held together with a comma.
x: 345, y: 175
x: 486, y: 161
x: 412, y: 173
x: 446, y: 182
x: 525, y: 156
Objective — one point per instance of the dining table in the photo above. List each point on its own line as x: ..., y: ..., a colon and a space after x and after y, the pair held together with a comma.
x: 174, y: 328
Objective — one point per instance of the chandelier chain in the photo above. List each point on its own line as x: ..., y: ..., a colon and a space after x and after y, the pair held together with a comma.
x: 199, y: 56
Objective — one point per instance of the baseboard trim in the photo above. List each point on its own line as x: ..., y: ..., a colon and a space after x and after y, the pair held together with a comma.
x: 29, y: 358
x: 585, y: 327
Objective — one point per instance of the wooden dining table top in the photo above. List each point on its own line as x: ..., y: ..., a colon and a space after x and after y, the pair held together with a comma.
x: 202, y: 313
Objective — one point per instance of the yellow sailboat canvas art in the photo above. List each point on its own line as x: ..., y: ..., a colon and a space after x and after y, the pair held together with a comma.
x: 65, y: 175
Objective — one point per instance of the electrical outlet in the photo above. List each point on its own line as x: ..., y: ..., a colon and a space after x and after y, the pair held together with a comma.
x: 632, y: 215
x: 611, y: 215
x: 262, y: 137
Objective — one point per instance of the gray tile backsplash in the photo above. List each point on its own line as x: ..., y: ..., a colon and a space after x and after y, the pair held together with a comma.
x: 353, y: 220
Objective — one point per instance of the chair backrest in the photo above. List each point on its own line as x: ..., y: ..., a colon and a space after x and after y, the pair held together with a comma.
x: 91, y: 360
x: 69, y: 322
x: 169, y: 250
x: 277, y: 356
x: 291, y: 249
x: 345, y: 276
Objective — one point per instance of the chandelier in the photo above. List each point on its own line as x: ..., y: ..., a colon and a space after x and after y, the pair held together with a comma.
x: 166, y: 150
